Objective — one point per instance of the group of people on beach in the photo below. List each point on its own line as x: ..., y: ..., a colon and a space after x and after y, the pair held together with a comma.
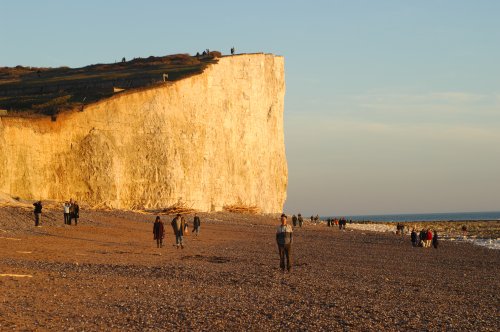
x: 284, y: 235
x: 341, y: 222
x: 284, y: 232
x: 71, y: 211
x: 424, y: 239
x: 180, y: 228
x: 297, y: 220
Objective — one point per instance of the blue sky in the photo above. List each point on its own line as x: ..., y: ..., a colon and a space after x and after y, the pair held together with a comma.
x: 391, y: 106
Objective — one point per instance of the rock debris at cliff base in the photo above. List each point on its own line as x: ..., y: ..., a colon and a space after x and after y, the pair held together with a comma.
x: 107, y: 274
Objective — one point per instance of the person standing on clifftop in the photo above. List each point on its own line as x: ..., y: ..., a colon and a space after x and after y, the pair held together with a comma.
x: 284, y: 238
x: 38, y: 212
x: 294, y: 220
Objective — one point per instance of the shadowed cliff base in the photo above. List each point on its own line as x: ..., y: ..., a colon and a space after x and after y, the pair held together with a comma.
x: 107, y: 274
x: 27, y: 91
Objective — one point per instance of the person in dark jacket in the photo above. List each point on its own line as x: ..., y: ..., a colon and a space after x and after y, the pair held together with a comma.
x: 300, y: 220
x: 414, y: 240
x: 158, y: 232
x: 196, y: 224
x: 75, y: 212
x: 435, y: 242
x: 422, y: 238
x: 38, y: 212
x: 294, y: 220
x: 284, y: 239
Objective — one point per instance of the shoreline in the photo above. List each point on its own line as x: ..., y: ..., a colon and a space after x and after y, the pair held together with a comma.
x: 479, y: 232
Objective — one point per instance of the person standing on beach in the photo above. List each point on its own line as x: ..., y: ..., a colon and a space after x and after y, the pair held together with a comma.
x: 284, y: 239
x: 66, y: 207
x: 429, y: 238
x: 300, y: 220
x: 294, y: 220
x: 196, y: 224
x: 435, y: 242
x: 76, y: 212
x: 422, y: 237
x: 186, y: 226
x: 38, y: 212
x: 158, y: 232
x: 178, y: 227
x: 413, y: 236
x: 71, y: 210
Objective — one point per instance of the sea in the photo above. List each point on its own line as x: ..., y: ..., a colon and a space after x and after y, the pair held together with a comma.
x: 455, y: 216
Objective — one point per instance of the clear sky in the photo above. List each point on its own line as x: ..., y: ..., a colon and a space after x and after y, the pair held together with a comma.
x: 391, y: 106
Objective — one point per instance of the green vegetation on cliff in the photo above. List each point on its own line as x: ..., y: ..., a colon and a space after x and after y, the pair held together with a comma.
x: 48, y: 91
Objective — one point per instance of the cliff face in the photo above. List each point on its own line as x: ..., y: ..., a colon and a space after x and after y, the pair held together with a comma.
x: 206, y: 141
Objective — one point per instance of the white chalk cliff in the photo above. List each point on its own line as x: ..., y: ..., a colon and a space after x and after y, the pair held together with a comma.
x: 206, y: 141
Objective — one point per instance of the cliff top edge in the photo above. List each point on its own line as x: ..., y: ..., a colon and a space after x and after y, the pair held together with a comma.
x: 35, y: 91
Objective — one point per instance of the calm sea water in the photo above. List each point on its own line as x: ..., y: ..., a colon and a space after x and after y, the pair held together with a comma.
x: 429, y: 216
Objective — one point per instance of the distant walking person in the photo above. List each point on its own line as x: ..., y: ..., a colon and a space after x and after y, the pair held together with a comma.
x: 186, y: 226
x: 76, y: 212
x: 196, y: 224
x: 38, y: 212
x: 178, y: 227
x: 232, y: 50
x: 158, y: 232
x: 300, y: 220
x: 435, y: 241
x: 284, y: 239
x: 66, y: 207
x: 294, y: 220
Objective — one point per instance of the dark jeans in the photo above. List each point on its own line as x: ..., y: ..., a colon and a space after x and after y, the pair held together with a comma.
x: 67, y: 219
x: 37, y: 218
x: 159, y: 242
x: 285, y: 251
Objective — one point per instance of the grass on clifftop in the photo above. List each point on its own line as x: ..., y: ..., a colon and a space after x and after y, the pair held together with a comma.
x: 27, y: 91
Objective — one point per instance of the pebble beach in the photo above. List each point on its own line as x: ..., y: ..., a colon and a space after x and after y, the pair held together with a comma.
x: 107, y: 274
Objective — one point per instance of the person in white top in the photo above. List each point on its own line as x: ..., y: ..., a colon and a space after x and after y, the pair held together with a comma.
x: 284, y: 239
x: 67, y: 220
